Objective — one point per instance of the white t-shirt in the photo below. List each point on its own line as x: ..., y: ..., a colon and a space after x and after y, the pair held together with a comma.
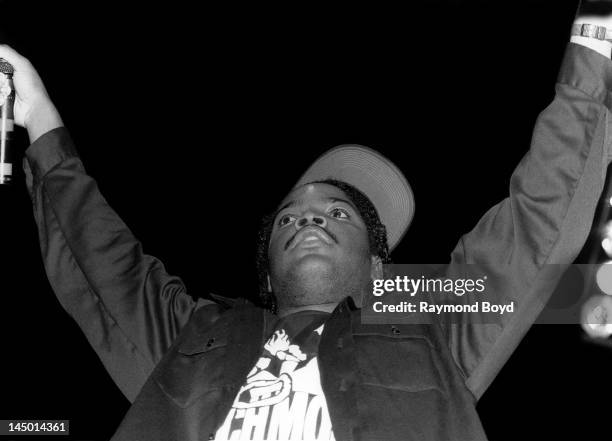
x: 282, y: 398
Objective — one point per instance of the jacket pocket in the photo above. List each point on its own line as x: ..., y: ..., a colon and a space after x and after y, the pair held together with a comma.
x: 194, y: 367
x: 402, y: 362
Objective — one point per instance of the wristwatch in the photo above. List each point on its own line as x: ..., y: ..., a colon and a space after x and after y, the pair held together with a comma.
x: 592, y: 31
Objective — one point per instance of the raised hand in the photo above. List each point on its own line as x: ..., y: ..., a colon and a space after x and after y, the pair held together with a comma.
x: 33, y: 109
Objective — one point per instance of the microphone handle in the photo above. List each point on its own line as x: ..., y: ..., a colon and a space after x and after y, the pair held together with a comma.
x: 7, y: 154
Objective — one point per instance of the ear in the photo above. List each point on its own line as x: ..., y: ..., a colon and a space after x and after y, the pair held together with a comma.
x: 376, y: 268
x: 269, y: 283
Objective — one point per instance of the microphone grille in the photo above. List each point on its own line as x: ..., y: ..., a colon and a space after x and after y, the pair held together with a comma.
x: 6, y: 67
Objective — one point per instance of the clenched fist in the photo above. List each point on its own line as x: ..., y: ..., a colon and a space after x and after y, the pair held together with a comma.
x: 33, y: 109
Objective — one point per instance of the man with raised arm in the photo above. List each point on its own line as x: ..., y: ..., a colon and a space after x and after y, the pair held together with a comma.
x: 303, y: 365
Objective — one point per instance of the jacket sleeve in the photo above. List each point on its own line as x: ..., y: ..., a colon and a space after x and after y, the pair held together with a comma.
x: 546, y: 218
x: 129, y: 308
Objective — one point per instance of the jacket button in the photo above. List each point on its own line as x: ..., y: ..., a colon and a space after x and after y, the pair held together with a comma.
x: 210, y: 342
x: 340, y: 343
x: 395, y: 330
x: 344, y: 385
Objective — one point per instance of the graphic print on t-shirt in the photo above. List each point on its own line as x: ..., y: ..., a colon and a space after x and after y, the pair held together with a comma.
x: 282, y: 398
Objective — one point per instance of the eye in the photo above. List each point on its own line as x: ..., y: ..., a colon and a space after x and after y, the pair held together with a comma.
x: 285, y: 219
x: 339, y: 213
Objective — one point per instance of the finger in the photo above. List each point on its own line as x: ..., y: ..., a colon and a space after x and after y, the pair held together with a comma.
x: 19, y: 62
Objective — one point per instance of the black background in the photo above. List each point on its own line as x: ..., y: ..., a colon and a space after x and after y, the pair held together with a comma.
x: 197, y: 120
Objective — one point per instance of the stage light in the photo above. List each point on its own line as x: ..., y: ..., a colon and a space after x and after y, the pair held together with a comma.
x: 607, y: 230
x: 606, y: 244
x: 596, y: 316
x: 604, y: 277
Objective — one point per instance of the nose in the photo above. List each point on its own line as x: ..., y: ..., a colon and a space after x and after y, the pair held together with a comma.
x: 311, y: 219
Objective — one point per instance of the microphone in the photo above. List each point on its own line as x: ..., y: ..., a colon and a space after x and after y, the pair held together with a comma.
x: 7, y: 99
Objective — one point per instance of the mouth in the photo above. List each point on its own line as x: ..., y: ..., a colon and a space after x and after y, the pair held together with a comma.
x: 310, y: 237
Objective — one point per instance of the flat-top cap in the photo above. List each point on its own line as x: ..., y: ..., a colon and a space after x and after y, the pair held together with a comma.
x: 374, y: 175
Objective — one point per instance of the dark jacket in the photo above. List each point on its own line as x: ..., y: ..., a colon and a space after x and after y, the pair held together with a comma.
x: 181, y: 361
x: 378, y: 379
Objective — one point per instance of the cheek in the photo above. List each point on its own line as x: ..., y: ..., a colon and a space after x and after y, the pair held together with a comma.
x: 358, y: 244
x: 364, y: 250
x: 275, y: 250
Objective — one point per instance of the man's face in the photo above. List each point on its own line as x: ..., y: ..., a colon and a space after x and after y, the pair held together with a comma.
x: 319, y: 250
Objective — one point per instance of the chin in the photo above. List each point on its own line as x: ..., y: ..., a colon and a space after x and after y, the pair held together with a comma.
x: 314, y: 263
x: 313, y: 273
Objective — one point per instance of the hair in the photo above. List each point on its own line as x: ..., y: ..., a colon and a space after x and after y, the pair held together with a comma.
x: 377, y: 237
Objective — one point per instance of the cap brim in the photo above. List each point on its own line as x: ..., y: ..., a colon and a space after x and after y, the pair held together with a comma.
x: 377, y: 177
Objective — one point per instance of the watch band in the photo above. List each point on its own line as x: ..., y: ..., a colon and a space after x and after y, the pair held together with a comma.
x: 592, y: 31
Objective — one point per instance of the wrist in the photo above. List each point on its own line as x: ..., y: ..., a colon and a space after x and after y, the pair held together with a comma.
x: 41, y: 119
x: 604, y: 47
